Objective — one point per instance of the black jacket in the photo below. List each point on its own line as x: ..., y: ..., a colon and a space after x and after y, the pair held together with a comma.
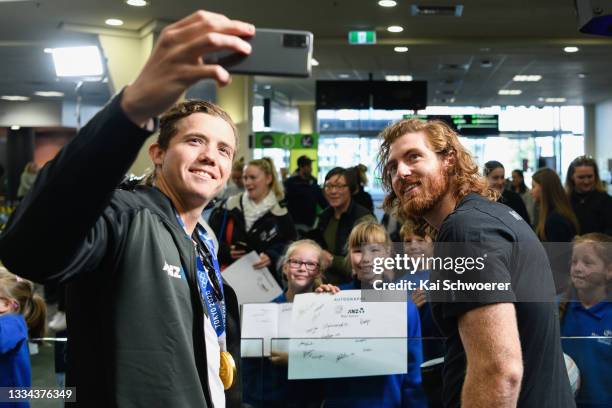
x: 136, y: 331
x: 594, y: 211
x: 514, y: 201
x: 271, y: 233
x: 302, y: 197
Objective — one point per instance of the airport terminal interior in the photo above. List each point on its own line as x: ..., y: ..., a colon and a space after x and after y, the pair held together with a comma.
x: 526, y: 85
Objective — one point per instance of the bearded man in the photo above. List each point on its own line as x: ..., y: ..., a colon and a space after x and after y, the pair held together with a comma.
x: 503, y: 347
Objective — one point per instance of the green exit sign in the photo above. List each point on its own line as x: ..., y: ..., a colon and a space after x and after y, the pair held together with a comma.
x: 362, y: 37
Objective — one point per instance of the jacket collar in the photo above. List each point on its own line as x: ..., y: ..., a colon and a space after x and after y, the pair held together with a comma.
x: 235, y: 202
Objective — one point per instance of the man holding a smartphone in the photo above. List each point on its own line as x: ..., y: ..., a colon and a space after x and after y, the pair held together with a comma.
x: 150, y: 322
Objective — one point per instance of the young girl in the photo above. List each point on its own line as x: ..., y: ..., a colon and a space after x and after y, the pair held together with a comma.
x: 366, y: 241
x: 303, y: 264
x: 586, y: 310
x: 22, y: 316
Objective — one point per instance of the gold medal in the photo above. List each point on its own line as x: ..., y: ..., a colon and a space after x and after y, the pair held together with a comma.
x: 227, y: 369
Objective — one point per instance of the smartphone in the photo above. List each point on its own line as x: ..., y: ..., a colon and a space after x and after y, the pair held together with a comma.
x: 274, y: 53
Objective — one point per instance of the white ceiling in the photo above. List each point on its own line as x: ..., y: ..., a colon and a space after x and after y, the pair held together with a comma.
x: 514, y: 36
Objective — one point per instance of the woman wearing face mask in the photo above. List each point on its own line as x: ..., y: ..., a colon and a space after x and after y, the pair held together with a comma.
x: 336, y: 222
x: 495, y: 173
x: 254, y: 220
x: 367, y: 241
x: 590, y: 202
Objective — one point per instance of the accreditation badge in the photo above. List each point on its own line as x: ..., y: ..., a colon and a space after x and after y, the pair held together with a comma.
x: 227, y: 369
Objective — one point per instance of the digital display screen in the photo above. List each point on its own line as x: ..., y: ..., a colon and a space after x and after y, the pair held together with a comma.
x: 474, y: 125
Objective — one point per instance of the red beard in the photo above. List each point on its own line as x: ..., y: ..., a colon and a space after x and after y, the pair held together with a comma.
x: 430, y: 191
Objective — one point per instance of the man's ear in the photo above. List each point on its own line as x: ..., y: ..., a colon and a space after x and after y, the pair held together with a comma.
x: 156, y: 153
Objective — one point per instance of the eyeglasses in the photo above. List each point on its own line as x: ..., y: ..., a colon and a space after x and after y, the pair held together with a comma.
x: 296, y: 264
x: 332, y: 187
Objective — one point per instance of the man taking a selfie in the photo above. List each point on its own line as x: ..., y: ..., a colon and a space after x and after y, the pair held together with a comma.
x: 150, y: 321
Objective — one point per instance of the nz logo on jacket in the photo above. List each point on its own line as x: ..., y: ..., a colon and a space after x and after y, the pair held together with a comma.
x: 173, y: 271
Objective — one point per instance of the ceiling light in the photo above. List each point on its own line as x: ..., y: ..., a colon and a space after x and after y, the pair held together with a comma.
x: 398, y: 78
x: 15, y: 127
x: 571, y: 49
x: 555, y: 100
x: 400, y: 49
x: 114, y: 22
x: 344, y: 76
x: 387, y: 3
x: 49, y: 94
x: 14, y: 98
x: 395, y: 29
x: 314, y: 62
x: 137, y: 3
x: 83, y: 61
x: 48, y: 50
x: 509, y: 92
x: 582, y: 75
x: 267, y: 86
x: 527, y: 78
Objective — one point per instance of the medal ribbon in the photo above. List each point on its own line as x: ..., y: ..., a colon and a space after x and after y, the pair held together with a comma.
x: 207, y: 263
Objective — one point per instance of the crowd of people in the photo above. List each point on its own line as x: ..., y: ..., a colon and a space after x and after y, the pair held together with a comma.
x: 152, y: 322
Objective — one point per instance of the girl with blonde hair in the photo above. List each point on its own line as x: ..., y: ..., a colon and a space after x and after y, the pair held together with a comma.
x: 586, y: 312
x: 367, y: 241
x: 22, y: 316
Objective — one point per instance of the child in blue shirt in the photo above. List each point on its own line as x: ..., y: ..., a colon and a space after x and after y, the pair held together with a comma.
x: 586, y: 310
x: 265, y: 381
x: 367, y: 241
x: 22, y: 313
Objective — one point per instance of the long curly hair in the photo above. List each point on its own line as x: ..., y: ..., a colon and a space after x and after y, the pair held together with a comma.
x: 464, y: 175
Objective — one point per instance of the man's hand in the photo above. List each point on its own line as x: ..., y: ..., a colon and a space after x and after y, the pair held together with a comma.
x: 176, y: 62
x: 494, y: 360
x: 264, y: 260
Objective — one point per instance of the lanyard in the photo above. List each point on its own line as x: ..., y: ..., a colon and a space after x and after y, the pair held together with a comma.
x: 209, y: 279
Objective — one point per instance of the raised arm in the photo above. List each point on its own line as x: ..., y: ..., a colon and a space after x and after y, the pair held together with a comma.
x: 72, y: 193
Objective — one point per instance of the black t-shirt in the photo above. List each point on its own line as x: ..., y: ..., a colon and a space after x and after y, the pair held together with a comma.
x: 514, y: 255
